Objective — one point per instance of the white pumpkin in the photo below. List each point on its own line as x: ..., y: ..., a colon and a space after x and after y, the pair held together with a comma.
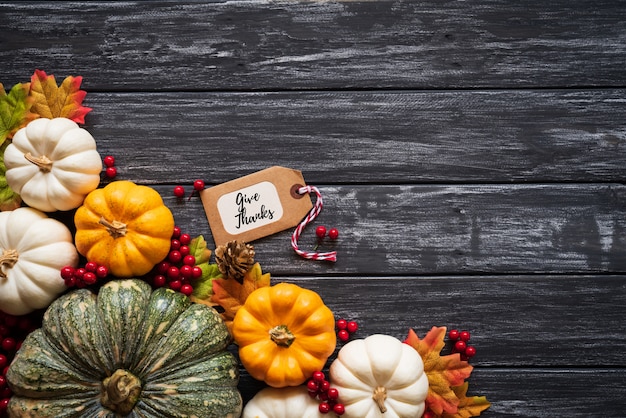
x: 380, y: 377
x: 287, y: 402
x: 52, y: 164
x: 33, y: 249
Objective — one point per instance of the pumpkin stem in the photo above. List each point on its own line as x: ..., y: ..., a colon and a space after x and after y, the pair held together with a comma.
x: 44, y: 163
x: 116, y: 228
x: 8, y: 258
x: 380, y: 394
x: 120, y: 392
x: 281, y: 335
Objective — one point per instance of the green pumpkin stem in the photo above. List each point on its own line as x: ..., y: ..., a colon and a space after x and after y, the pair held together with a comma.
x: 379, y: 396
x: 8, y: 258
x: 281, y: 335
x: 44, y: 163
x: 116, y: 228
x: 120, y: 392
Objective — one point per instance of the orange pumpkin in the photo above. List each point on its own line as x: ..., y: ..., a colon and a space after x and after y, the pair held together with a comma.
x: 125, y: 227
x: 284, y: 333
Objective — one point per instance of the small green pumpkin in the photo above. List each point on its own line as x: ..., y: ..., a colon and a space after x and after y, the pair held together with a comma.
x: 126, y: 352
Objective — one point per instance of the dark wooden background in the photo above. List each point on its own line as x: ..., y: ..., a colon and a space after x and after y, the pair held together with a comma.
x: 471, y: 153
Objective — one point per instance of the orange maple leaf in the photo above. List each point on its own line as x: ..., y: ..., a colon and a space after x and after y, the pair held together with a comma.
x: 468, y: 407
x: 231, y: 295
x: 52, y: 101
x: 444, y: 372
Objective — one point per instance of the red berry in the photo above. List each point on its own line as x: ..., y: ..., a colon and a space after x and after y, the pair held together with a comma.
x: 197, y: 272
x: 460, y: 346
x: 339, y: 409
x: 163, y: 267
x: 90, y: 278
x: 176, y: 232
x: 189, y: 260
x: 174, y: 257
x: 318, y: 376
x: 110, y: 172
x: 186, y: 289
x: 173, y: 273
x: 352, y: 327
x: 179, y: 191
x: 79, y: 273
x: 176, y: 284
x: 67, y: 271
x: 184, y: 250
x: 3, y: 361
x: 333, y: 234
x: 10, y: 320
x: 429, y: 414
x: 324, y: 407
x: 333, y: 394
x: 312, y: 386
x: 320, y: 231
x: 4, y: 404
x: 8, y: 344
x: 342, y: 324
x: 185, y: 239
x: 70, y: 281
x: 186, y: 271
x: 324, y: 386
x: 91, y: 266
x: 3, y: 382
x: 470, y: 351
x: 175, y: 244
x: 464, y: 336
x: 6, y: 393
x: 198, y: 185
x: 102, y: 272
x: 159, y: 280
x: 453, y: 334
x: 4, y: 330
x: 109, y: 161
x: 343, y: 335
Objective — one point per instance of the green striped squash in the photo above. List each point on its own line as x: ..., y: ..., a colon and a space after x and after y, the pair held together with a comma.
x: 126, y: 352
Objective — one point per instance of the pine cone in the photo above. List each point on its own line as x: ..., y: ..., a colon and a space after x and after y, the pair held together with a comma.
x: 234, y: 259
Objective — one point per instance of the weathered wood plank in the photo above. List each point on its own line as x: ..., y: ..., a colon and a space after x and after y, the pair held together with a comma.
x: 244, y: 45
x: 523, y: 392
x: 391, y: 137
x: 443, y: 229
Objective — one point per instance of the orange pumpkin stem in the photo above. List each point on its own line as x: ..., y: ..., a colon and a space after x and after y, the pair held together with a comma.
x: 44, y: 163
x: 281, y: 335
x: 8, y: 258
x: 120, y: 392
x: 116, y: 229
x: 380, y: 394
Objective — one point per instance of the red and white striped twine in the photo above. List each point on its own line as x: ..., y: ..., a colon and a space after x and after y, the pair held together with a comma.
x: 317, y: 208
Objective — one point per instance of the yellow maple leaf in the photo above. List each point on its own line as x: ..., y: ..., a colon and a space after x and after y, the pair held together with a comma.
x: 468, y: 406
x: 231, y: 295
x: 52, y: 101
x: 444, y: 372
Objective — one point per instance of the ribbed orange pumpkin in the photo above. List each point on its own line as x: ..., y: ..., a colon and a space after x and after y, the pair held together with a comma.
x: 125, y: 227
x: 284, y: 333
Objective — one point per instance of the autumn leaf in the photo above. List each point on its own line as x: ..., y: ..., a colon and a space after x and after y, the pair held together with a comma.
x: 9, y: 200
x: 203, y: 286
x: 51, y: 101
x: 231, y: 295
x: 14, y: 110
x: 468, y: 407
x: 444, y: 372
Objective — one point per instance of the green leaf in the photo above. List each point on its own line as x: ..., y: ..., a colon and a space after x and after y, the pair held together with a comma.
x: 203, y: 287
x: 198, y: 248
x: 14, y: 110
x: 9, y: 200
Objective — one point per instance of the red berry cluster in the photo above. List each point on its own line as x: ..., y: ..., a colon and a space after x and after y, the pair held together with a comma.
x: 345, y: 329
x: 109, y: 162
x: 198, y: 186
x: 320, y: 388
x: 461, y: 340
x: 320, y: 231
x: 179, y: 268
x: 84, y: 276
x: 13, y: 330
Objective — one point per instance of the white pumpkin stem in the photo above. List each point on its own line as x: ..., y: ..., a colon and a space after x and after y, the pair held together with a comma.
x: 120, y: 392
x: 281, y: 335
x: 380, y: 394
x: 116, y: 229
x: 44, y: 163
x: 8, y: 258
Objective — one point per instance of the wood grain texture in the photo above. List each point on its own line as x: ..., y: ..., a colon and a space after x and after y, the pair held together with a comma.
x: 243, y: 45
x: 390, y: 137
